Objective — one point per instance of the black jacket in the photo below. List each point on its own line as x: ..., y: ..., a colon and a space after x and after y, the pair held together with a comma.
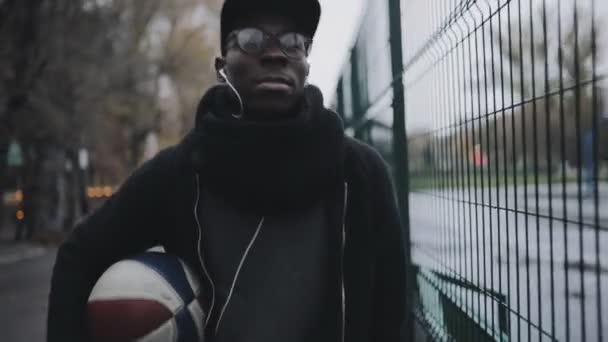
x: 156, y: 206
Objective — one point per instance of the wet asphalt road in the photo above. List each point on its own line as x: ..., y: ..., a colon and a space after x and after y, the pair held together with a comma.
x: 24, y: 289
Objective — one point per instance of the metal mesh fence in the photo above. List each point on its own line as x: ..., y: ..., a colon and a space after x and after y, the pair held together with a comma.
x: 506, y: 106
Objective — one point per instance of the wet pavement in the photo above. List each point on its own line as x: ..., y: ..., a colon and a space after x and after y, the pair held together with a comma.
x: 25, y: 272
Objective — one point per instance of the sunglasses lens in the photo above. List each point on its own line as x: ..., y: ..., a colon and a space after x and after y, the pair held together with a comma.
x: 254, y: 41
x: 250, y: 40
x: 294, y: 45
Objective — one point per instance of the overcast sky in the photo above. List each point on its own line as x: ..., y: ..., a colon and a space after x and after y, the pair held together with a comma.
x: 333, y: 41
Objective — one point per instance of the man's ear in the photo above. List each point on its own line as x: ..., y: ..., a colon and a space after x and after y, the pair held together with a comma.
x: 220, y: 63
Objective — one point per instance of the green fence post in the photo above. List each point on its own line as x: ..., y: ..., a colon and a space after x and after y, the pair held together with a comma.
x: 340, y: 99
x: 356, y: 95
x: 400, y: 153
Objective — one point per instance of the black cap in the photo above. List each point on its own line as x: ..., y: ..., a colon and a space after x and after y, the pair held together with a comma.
x: 305, y: 14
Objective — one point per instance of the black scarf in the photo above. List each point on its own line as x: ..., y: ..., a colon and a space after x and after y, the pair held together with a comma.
x: 269, y: 167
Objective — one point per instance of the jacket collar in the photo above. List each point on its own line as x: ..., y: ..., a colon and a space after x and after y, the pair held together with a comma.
x: 268, y: 167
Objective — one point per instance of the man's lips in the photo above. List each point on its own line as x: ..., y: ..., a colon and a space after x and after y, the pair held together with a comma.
x: 275, y: 79
x: 274, y: 83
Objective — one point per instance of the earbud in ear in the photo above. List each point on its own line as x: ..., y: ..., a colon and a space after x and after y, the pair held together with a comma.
x: 223, y: 75
x: 220, y: 65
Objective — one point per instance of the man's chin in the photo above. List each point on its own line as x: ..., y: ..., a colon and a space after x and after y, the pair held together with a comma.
x: 279, y: 107
x: 273, y: 94
x: 271, y: 101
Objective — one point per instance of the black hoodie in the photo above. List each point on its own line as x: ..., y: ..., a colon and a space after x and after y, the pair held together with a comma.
x: 158, y: 205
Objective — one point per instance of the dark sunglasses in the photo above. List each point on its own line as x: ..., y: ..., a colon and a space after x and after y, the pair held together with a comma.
x: 254, y: 41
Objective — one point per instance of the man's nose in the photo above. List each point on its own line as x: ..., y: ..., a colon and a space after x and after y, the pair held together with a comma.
x: 273, y: 54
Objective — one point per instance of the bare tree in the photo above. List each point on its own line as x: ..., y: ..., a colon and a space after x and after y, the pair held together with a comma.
x: 568, y: 59
x: 91, y: 74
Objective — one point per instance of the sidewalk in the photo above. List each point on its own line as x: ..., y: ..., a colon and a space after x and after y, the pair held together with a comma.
x: 12, y: 252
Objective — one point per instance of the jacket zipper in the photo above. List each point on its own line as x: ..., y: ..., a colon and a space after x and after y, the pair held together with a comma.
x: 199, y: 249
x: 343, y: 288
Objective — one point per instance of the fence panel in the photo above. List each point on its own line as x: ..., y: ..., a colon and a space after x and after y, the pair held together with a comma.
x: 506, y: 105
x: 509, y: 160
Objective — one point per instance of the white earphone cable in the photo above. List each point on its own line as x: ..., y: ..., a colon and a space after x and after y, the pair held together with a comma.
x: 242, y: 108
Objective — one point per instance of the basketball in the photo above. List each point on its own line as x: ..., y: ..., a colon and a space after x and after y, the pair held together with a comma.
x: 152, y: 297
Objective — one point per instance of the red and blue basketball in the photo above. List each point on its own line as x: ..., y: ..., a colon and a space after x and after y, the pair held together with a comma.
x: 152, y: 297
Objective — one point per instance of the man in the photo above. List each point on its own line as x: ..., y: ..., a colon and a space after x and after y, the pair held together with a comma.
x: 292, y: 227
